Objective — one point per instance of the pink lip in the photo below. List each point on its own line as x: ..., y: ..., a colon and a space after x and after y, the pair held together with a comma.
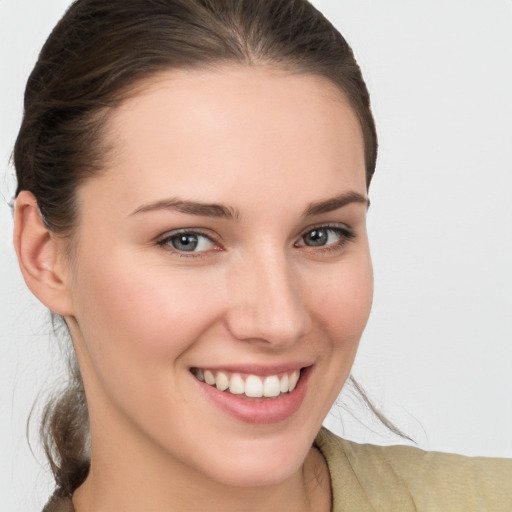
x: 262, y: 411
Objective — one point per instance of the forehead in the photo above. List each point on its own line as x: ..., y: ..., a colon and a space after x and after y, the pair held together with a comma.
x: 247, y: 129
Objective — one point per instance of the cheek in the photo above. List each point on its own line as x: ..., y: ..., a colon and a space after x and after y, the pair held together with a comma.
x: 128, y: 309
x: 341, y: 301
x: 136, y: 322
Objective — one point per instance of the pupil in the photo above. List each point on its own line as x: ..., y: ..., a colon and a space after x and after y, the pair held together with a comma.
x: 185, y: 242
x: 317, y: 237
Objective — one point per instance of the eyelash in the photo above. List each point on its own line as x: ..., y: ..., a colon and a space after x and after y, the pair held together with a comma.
x: 346, y: 235
x: 166, y: 243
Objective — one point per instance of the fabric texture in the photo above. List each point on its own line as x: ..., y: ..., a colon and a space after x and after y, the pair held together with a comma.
x: 373, y: 478
x: 370, y: 478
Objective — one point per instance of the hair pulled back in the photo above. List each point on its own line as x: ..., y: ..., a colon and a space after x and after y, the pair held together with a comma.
x: 92, y: 61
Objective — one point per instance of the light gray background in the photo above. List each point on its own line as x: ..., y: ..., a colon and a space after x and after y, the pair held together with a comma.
x: 438, y: 349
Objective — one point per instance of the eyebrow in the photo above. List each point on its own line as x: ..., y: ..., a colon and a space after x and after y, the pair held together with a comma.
x: 335, y: 203
x: 226, y: 212
x: 191, y: 208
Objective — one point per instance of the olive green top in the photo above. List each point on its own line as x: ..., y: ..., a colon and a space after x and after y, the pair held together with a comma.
x: 366, y: 477
x: 373, y: 478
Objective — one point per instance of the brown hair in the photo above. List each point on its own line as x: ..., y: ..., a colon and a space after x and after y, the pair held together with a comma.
x: 98, y: 52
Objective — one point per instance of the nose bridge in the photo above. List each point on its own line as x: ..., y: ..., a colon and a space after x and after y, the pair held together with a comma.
x: 267, y: 303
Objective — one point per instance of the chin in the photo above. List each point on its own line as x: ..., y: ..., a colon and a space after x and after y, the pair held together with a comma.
x: 257, y: 462
x: 262, y: 473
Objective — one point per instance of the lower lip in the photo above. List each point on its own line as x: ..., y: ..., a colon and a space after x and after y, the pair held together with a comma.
x: 259, y: 412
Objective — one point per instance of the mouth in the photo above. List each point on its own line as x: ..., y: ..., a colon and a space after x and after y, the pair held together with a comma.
x: 249, y: 385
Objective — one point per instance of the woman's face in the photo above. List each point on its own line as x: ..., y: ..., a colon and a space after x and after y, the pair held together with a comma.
x: 225, y: 240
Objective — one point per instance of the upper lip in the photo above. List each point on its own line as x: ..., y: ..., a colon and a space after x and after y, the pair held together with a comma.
x: 256, y: 369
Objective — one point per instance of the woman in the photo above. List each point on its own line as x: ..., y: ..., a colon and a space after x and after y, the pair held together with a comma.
x: 192, y: 196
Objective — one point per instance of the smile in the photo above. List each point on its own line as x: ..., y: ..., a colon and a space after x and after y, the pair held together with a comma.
x: 251, y: 386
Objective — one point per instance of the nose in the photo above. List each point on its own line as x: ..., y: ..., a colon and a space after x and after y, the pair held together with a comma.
x: 267, y: 303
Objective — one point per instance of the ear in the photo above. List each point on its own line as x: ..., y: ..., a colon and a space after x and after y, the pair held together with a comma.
x: 40, y: 256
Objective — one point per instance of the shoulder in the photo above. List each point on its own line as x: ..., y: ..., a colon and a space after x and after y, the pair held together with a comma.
x: 370, y: 477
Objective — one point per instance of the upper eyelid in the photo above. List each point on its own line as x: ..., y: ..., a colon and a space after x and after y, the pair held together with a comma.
x: 163, y: 239
x: 328, y: 225
x: 186, y: 231
x: 207, y: 232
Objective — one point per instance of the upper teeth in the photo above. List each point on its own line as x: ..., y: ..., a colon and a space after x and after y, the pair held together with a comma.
x: 250, y: 385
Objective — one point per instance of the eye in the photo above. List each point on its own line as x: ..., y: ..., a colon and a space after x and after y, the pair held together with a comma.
x: 188, y: 241
x: 325, y: 236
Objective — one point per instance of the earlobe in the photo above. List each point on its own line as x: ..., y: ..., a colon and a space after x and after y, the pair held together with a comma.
x: 40, y: 256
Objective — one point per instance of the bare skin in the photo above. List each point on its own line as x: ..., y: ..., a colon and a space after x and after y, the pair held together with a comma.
x: 308, y: 491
